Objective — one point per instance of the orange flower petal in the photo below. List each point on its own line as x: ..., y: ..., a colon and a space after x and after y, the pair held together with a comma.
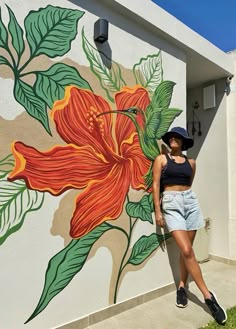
x: 59, y: 169
x: 100, y: 202
x: 139, y: 164
x: 128, y: 97
x: 76, y: 120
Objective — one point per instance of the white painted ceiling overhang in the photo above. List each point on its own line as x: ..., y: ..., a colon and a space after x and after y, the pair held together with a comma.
x: 205, y: 62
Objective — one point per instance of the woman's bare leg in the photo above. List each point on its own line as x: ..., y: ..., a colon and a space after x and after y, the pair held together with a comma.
x: 182, y: 267
x: 183, y: 241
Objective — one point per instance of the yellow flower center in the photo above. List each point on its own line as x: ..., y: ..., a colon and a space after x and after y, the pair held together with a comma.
x: 93, y: 120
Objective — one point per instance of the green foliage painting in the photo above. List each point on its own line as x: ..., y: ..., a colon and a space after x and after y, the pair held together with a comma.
x: 15, y: 200
x: 51, y: 37
x: 107, y: 150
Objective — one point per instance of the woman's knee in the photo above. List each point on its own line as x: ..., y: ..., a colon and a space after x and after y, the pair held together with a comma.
x: 188, y: 252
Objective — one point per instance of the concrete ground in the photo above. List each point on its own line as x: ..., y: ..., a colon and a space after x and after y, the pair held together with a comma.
x: 161, y: 313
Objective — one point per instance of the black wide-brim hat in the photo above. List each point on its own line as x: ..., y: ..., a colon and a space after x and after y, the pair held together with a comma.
x: 187, y: 141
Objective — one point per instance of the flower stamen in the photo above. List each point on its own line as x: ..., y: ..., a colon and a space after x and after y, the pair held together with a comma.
x: 94, y: 121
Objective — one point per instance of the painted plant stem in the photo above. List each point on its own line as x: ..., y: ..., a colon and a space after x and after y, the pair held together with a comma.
x: 26, y: 64
x: 7, y: 163
x: 122, y: 265
x: 11, y: 160
x: 118, y: 228
x: 28, y: 73
x: 14, y: 65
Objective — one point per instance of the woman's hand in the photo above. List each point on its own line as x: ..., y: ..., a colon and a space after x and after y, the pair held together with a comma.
x: 160, y: 219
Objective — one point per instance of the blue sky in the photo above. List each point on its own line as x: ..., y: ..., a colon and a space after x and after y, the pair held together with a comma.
x: 215, y: 20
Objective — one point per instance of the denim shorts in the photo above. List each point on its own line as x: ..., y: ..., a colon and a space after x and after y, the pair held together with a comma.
x: 181, y: 211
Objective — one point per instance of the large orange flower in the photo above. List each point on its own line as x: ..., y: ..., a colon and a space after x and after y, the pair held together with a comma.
x: 97, y: 159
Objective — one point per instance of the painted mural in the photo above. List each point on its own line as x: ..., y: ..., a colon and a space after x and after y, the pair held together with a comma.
x: 109, y: 147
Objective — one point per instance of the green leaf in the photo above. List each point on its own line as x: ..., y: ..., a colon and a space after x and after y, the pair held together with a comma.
x: 50, y: 85
x: 148, y: 182
x: 16, y: 33
x: 108, y: 72
x: 166, y: 119
x: 15, y: 202
x: 161, y: 100
x: 141, y: 209
x: 51, y: 30
x: 65, y: 265
x: 6, y: 165
x: 163, y: 237
x: 163, y: 94
x: 4, y: 61
x: 159, y: 115
x: 150, y: 200
x: 143, y: 248
x: 3, y: 33
x: 148, y: 72
x: 24, y: 94
x: 153, y: 121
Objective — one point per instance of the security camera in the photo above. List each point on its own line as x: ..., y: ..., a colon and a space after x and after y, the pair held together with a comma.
x: 227, y: 84
x: 229, y: 79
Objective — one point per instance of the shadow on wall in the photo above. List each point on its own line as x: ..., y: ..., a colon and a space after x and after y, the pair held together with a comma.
x: 205, y: 117
x: 134, y: 27
x: 105, y: 49
x: 172, y: 254
x: 173, y: 257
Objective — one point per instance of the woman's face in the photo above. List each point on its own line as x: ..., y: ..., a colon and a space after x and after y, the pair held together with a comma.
x: 175, y: 141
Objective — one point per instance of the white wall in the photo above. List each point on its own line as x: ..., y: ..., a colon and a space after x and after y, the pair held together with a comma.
x: 231, y: 122
x: 26, y: 253
x: 211, y: 152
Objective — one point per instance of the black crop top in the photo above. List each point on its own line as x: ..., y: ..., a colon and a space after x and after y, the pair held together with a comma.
x: 176, y: 173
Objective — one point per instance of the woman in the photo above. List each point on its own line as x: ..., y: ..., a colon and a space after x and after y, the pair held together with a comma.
x: 173, y: 173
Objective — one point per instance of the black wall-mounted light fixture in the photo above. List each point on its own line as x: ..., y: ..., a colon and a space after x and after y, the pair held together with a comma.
x: 195, y: 122
x: 101, y: 30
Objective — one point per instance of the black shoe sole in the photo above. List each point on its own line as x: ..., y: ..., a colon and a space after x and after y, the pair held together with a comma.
x: 223, y: 322
x: 181, y: 305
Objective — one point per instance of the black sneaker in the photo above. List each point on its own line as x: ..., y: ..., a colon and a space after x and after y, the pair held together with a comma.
x: 217, y: 311
x: 181, y: 298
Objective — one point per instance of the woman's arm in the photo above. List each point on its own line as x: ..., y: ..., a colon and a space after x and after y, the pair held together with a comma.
x: 193, y: 165
x: 157, y: 168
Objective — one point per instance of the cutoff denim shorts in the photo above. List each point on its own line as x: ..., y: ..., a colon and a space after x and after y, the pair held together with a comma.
x: 181, y: 211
